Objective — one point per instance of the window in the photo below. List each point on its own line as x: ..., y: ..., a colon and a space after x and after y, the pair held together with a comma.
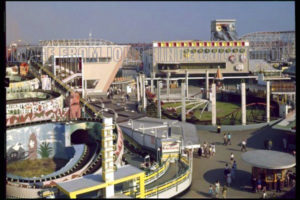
x: 202, y: 65
x: 104, y: 60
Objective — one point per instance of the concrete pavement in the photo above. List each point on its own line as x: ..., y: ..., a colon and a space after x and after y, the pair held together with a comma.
x: 207, y: 171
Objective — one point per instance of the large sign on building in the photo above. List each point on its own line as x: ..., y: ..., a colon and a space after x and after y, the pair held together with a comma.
x: 196, y: 57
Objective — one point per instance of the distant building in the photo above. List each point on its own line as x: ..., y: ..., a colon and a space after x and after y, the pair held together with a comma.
x: 88, y: 66
x: 196, y: 57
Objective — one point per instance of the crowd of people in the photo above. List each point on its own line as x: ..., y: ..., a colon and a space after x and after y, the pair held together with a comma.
x: 207, y: 150
x: 214, y: 191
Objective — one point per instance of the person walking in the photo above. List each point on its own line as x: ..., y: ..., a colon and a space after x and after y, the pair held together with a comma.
x: 278, y: 185
x: 217, y: 188
x: 259, y: 185
x: 270, y: 143
x: 229, y: 138
x: 264, y: 194
x: 266, y: 144
x: 225, y: 139
x: 231, y: 158
x: 210, y: 151
x: 224, y: 192
x: 205, y: 149
x: 253, y: 182
x: 200, y: 152
x: 243, y: 146
x: 210, y: 191
x: 284, y: 141
x: 226, y: 172
x: 213, y: 146
x: 228, y: 179
x: 232, y: 172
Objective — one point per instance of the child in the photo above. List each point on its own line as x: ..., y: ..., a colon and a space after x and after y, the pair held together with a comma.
x: 210, y: 190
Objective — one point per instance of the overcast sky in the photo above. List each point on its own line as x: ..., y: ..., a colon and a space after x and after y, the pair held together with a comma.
x: 140, y: 21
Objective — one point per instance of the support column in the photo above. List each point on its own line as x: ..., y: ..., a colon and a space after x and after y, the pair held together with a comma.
x: 158, y: 100
x: 141, y: 86
x: 152, y: 89
x: 207, y: 85
x: 138, y: 89
x: 268, y: 102
x: 183, y: 111
x: 107, y: 156
x: 168, y: 84
x: 187, y: 83
x: 144, y: 93
x: 243, y: 94
x: 213, y: 105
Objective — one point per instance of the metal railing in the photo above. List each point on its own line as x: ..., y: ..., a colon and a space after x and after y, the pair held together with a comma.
x: 169, y: 184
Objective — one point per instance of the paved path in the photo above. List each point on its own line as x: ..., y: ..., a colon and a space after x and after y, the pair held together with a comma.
x: 207, y: 171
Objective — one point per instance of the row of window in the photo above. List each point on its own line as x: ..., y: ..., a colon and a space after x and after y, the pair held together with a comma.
x: 214, y: 50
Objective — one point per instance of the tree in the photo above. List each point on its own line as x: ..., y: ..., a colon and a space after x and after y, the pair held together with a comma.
x: 45, y: 150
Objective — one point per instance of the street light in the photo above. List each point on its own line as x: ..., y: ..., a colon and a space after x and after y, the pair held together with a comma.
x: 157, y: 156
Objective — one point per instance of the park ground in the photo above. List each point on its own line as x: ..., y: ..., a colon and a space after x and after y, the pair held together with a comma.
x: 207, y: 171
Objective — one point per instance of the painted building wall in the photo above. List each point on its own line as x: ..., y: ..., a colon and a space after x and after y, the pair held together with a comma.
x: 232, y: 53
x: 31, y: 139
x: 33, y: 107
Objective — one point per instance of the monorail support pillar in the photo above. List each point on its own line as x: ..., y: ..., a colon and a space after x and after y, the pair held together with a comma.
x: 243, y: 96
x: 152, y: 89
x: 187, y: 83
x: 138, y: 89
x: 268, y: 102
x: 158, y: 100
x: 183, y: 92
x: 144, y: 93
x: 207, y: 85
x: 168, y: 84
x: 213, y: 105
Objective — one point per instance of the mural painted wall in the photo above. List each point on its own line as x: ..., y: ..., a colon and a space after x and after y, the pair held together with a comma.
x: 57, y: 115
x: 34, y: 107
x: 46, y: 140
x: 36, y: 141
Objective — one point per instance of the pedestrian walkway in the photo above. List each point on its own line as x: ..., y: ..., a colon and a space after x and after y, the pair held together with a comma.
x: 207, y: 171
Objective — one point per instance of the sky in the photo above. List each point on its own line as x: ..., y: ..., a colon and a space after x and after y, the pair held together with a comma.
x: 123, y: 22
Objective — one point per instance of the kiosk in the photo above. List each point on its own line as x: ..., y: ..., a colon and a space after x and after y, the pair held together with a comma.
x: 268, y: 165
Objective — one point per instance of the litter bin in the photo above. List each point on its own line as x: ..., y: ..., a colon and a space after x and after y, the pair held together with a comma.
x: 219, y: 129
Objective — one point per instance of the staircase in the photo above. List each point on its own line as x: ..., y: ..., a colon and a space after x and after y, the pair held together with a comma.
x: 69, y: 78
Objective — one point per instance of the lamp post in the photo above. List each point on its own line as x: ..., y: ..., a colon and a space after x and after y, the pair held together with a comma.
x: 157, y: 156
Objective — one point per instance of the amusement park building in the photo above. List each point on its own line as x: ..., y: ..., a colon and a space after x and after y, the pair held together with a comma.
x: 88, y: 65
x: 197, y: 57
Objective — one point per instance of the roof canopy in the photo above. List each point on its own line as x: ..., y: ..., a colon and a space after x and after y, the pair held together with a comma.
x: 269, y: 159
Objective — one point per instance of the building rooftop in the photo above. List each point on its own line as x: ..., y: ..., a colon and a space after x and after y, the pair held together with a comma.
x: 93, y: 180
x: 159, y: 128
